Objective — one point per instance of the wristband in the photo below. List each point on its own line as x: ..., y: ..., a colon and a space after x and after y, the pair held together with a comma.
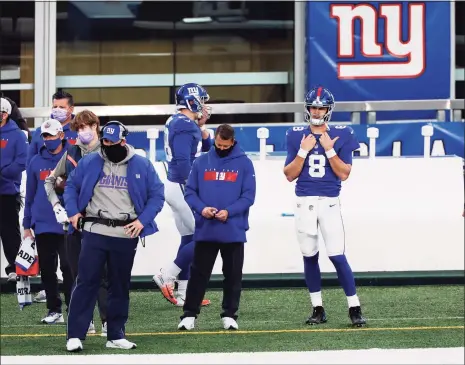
x: 203, y: 128
x: 331, y: 153
x: 302, y: 153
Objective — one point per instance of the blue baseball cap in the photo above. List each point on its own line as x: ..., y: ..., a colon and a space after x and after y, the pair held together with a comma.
x: 113, y: 132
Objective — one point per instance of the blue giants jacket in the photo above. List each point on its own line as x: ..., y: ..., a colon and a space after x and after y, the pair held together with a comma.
x: 38, y: 212
x: 223, y: 183
x: 145, y: 189
x: 13, y: 153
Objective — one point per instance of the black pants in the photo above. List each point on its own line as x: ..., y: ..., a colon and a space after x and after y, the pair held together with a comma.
x: 50, y: 246
x: 205, y: 254
x: 73, y: 250
x: 10, y: 234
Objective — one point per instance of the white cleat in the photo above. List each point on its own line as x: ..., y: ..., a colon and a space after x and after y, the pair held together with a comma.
x: 229, y: 323
x: 166, y: 285
x: 91, y: 330
x: 52, y: 318
x: 104, y: 330
x: 74, y: 345
x: 40, y: 297
x: 187, y: 324
x: 122, y: 344
x: 181, y: 299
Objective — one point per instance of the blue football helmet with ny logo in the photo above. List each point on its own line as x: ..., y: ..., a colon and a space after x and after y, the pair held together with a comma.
x: 193, y: 97
x: 319, y: 97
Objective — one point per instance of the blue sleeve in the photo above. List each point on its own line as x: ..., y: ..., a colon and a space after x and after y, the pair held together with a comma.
x: 19, y: 163
x: 181, y: 150
x: 345, y: 154
x: 156, y: 197
x: 33, y: 147
x: 291, y: 149
x: 72, y: 189
x: 31, y: 188
x: 206, y: 144
x: 191, y: 195
x: 247, y: 197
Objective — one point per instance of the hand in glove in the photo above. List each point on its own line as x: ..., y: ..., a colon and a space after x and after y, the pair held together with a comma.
x: 60, y: 214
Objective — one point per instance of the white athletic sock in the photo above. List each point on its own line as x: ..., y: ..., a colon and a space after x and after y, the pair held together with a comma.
x: 353, y: 301
x: 316, y: 299
x: 172, y: 269
x: 182, y: 288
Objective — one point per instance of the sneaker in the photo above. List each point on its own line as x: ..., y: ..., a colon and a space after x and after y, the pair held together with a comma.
x: 187, y: 324
x: 74, y: 345
x: 91, y: 330
x: 104, y: 329
x: 355, y: 315
x: 166, y: 285
x: 229, y: 323
x: 181, y: 299
x: 122, y: 344
x: 12, y: 276
x: 40, y: 297
x: 52, y: 318
x: 318, y: 316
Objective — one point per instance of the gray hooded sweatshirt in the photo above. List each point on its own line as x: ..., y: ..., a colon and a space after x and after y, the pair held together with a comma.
x: 60, y: 170
x: 111, y: 198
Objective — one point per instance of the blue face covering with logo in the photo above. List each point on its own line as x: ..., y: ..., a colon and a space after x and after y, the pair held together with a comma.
x: 52, y: 144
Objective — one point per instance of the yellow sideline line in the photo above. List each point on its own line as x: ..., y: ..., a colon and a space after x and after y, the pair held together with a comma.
x: 179, y: 333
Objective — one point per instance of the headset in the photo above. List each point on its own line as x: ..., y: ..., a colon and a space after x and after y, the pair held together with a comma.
x: 124, y: 133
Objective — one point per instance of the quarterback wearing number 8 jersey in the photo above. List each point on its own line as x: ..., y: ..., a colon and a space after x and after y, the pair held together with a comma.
x: 320, y: 157
x: 185, y: 137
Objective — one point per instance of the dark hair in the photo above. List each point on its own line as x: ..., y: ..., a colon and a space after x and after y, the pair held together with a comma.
x: 63, y: 95
x: 84, y: 118
x: 225, y: 132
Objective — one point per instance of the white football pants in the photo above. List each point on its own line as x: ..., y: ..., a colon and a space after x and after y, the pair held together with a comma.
x: 313, y: 212
x: 183, y: 217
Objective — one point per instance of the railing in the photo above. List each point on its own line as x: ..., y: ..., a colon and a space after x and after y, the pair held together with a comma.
x: 455, y: 106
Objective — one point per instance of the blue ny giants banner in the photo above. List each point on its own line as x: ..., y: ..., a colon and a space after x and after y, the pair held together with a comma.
x: 388, y: 50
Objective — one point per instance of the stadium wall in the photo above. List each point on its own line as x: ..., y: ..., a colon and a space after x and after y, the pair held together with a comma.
x: 402, y: 219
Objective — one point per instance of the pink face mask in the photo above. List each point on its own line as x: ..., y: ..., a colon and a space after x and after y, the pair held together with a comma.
x: 86, y: 136
x: 59, y: 114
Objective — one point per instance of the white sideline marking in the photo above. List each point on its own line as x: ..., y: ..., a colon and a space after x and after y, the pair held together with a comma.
x: 371, y: 356
x: 139, y: 327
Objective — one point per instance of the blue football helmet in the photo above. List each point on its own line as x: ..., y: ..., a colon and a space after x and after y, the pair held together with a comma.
x: 193, y: 97
x: 319, y: 97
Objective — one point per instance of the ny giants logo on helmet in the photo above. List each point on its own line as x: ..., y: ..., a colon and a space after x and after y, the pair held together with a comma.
x: 413, y: 51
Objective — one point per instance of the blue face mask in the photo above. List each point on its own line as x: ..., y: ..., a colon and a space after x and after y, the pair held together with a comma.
x: 52, y: 144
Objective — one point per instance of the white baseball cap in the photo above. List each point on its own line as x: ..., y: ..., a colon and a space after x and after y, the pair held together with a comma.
x: 5, y: 106
x: 51, y: 126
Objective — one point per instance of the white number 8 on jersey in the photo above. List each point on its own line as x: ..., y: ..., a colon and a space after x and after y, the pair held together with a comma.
x: 316, y: 165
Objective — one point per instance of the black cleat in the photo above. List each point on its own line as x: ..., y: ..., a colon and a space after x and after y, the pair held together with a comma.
x: 318, y: 316
x: 355, y: 315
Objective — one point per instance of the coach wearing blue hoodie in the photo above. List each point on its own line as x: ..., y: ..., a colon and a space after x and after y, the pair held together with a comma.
x: 40, y: 218
x: 220, y: 190
x: 113, y: 196
x: 13, y: 152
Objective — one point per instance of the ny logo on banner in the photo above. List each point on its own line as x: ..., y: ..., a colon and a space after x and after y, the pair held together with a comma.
x: 413, y: 49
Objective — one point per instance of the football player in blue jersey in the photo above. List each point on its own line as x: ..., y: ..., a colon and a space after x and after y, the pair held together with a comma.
x: 185, y: 137
x: 320, y: 157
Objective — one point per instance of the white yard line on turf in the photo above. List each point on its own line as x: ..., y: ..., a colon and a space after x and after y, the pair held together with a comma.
x: 371, y: 356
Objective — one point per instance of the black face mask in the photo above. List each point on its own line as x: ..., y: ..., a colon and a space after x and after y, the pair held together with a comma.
x: 115, y: 153
x: 223, y: 153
